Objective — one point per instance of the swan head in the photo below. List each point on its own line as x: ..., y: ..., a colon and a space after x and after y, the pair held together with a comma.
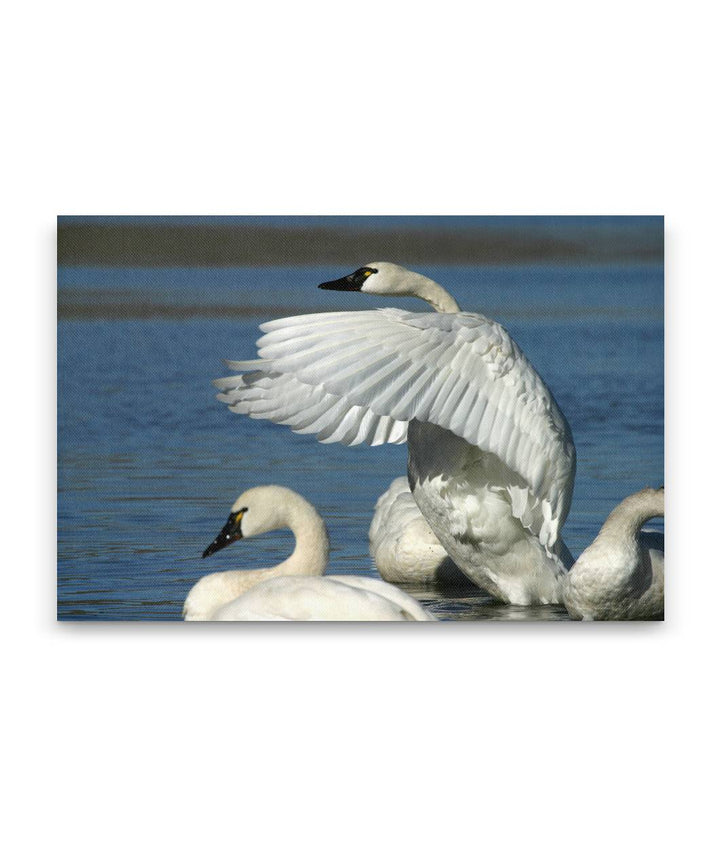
x: 259, y: 510
x: 376, y: 278
x: 389, y: 278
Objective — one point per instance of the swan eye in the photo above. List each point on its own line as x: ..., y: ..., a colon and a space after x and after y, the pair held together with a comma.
x: 361, y: 274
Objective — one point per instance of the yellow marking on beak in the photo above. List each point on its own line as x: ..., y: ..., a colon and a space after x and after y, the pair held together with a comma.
x: 239, y: 517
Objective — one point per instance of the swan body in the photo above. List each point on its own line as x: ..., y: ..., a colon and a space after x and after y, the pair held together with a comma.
x: 491, y: 461
x: 621, y: 575
x: 402, y: 545
x: 332, y: 598
x: 294, y: 590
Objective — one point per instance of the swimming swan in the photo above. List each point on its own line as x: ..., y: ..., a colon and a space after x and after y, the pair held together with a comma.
x: 294, y: 590
x: 621, y: 575
x: 403, y: 546
x: 491, y: 460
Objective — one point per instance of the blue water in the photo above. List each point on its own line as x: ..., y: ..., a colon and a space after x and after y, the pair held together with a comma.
x: 149, y: 463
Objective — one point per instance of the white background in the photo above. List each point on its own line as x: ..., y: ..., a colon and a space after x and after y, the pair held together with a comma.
x: 456, y: 738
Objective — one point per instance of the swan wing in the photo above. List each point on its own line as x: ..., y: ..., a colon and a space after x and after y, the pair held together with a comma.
x: 308, y: 409
x: 334, y: 373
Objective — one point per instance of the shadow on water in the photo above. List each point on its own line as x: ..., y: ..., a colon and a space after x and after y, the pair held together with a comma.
x: 460, y: 600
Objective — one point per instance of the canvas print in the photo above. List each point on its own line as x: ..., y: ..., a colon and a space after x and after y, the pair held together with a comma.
x: 386, y: 418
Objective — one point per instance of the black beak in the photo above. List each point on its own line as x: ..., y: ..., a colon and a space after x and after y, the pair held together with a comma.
x: 347, y: 283
x: 228, y: 534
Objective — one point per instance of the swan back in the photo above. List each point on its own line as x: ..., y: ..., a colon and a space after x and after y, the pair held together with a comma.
x: 402, y: 544
x: 213, y: 591
x: 335, y: 598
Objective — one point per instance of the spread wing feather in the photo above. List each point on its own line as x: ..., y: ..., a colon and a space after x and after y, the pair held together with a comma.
x: 306, y: 409
x: 355, y: 377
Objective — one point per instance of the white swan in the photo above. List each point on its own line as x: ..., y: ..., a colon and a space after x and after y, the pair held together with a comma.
x: 294, y: 590
x: 403, y: 546
x: 621, y: 575
x: 491, y: 461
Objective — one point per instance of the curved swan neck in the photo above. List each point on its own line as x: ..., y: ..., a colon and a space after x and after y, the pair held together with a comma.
x: 627, y: 518
x: 429, y: 291
x: 312, y: 546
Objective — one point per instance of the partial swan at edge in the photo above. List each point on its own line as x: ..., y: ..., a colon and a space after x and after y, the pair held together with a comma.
x: 403, y: 547
x: 621, y: 575
x: 294, y: 590
x: 491, y: 461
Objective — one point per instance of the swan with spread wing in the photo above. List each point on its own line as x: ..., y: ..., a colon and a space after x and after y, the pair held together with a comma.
x: 491, y: 460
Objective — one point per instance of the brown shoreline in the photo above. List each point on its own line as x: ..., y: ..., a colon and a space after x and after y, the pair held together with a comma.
x: 258, y: 245
x: 141, y: 311
x: 122, y: 311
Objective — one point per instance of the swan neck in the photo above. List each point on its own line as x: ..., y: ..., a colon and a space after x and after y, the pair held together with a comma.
x: 312, y: 546
x: 429, y: 291
x: 630, y: 515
